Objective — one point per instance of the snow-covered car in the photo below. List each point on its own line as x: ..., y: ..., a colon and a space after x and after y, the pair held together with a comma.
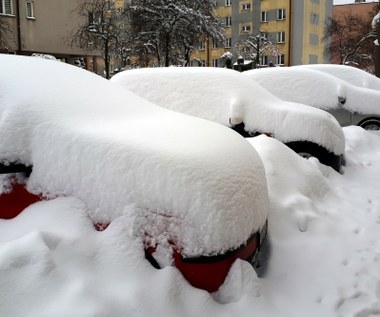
x: 190, y: 200
x: 353, y: 75
x: 227, y: 97
x: 348, y: 102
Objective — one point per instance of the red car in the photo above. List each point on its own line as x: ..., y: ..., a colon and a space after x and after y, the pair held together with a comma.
x: 196, y: 189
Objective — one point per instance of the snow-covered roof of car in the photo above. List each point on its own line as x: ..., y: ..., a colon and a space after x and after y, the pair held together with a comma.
x: 353, y: 75
x: 227, y: 97
x: 316, y: 88
x: 122, y: 155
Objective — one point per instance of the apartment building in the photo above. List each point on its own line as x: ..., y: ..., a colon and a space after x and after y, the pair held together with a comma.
x: 44, y: 27
x: 294, y: 27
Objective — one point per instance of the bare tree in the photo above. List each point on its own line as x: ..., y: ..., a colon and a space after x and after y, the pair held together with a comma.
x: 350, y: 40
x: 104, y: 28
x: 254, y: 46
x: 166, y: 31
x: 5, y: 34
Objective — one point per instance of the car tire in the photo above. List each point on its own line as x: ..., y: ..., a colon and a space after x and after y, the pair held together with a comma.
x: 261, y: 261
x: 309, y: 149
x: 372, y: 124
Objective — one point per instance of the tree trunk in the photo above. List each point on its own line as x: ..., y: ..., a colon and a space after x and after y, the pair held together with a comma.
x: 167, y: 50
x: 106, y: 59
x: 377, y: 51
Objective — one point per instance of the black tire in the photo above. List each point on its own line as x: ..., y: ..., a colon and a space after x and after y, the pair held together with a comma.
x: 309, y: 149
x: 261, y: 261
x: 372, y: 124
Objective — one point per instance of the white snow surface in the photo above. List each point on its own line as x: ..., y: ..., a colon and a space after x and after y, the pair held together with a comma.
x: 227, y: 97
x: 173, y: 176
x: 353, y: 75
x: 316, y: 88
x: 323, y: 227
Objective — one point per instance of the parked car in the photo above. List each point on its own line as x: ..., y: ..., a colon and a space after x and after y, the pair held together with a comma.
x: 196, y: 203
x: 352, y: 75
x: 350, y: 104
x: 229, y: 98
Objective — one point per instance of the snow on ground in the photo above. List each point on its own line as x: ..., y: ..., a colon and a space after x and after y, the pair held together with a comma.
x: 324, y: 231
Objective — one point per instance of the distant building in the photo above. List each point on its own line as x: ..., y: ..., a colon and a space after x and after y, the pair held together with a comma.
x: 295, y: 27
x: 362, y: 9
x: 44, y: 27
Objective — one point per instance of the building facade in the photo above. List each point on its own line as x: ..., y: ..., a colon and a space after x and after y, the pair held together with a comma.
x: 294, y: 27
x: 346, y: 13
x: 45, y: 27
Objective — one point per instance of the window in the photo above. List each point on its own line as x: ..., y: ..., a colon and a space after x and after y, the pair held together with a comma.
x: 228, y: 42
x: 246, y: 7
x: 263, y: 60
x: 281, y: 14
x: 228, y: 21
x: 214, y: 63
x: 314, y: 18
x: 201, y: 46
x: 215, y: 44
x: 29, y: 10
x: 228, y: 3
x: 246, y: 28
x: 94, y: 18
x: 280, y: 59
x: 280, y: 37
x: 6, y: 7
x: 264, y: 16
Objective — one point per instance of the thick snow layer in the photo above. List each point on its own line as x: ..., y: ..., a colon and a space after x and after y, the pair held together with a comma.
x: 178, y: 177
x: 324, y: 232
x: 353, y: 75
x: 227, y: 97
x: 316, y: 88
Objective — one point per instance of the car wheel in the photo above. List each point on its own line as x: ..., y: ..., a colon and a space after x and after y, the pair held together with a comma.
x: 261, y: 260
x: 309, y: 149
x: 370, y: 124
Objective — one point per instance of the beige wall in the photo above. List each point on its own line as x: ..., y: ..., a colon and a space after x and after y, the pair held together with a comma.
x: 49, y: 31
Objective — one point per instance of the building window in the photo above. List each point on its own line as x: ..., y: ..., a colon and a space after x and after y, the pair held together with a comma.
x: 215, y: 44
x: 228, y: 42
x: 94, y: 18
x: 280, y: 37
x: 214, y: 63
x: 228, y: 21
x: 201, y: 46
x: 29, y: 10
x: 264, y: 16
x: 281, y: 14
x: 228, y: 3
x: 264, y: 35
x: 246, y: 28
x: 280, y: 59
x: 314, y: 18
x: 246, y: 7
x: 6, y: 7
x: 263, y: 60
